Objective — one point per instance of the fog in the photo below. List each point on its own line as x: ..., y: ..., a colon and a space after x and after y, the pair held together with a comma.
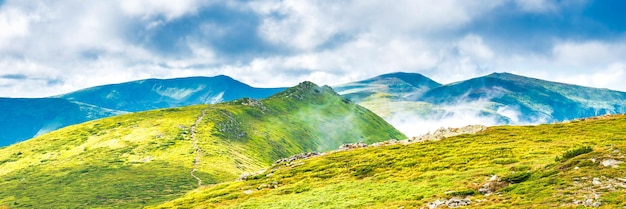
x: 458, y: 114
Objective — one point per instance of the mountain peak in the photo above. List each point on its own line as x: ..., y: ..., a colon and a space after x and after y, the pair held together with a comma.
x: 306, y: 89
x: 414, y: 79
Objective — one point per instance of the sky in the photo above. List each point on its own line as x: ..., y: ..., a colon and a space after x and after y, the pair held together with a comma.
x: 50, y: 47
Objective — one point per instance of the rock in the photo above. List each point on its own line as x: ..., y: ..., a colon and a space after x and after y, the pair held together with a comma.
x: 451, y: 203
x: 596, y: 181
x: 492, y: 185
x: 293, y: 158
x: 443, y: 133
x: 352, y: 146
x: 435, y: 204
x: 247, y: 192
x: 610, y: 163
x: 455, y: 202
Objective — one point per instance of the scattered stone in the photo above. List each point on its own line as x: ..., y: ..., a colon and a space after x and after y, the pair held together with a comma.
x: 451, y: 203
x: 435, y: 204
x: 443, y: 133
x: 345, y: 147
x: 293, y: 158
x: 492, y: 185
x: 247, y: 192
x: 455, y: 202
x: 611, y: 163
x: 596, y: 181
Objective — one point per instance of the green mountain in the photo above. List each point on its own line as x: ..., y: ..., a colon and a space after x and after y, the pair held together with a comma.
x: 394, y: 86
x: 146, y: 158
x: 569, y: 165
x: 24, y: 118
x: 534, y: 98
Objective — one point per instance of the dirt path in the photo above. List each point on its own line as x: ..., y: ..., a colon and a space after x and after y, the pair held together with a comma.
x: 194, y: 144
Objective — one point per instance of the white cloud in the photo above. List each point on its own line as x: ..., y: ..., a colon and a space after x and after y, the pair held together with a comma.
x: 474, y: 47
x: 14, y: 23
x: 308, y: 24
x: 328, y: 42
x: 147, y: 9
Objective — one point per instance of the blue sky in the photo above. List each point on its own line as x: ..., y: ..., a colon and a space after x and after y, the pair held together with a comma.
x: 53, y: 47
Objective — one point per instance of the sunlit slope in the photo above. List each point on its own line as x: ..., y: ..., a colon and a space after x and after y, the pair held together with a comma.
x: 147, y: 158
x: 23, y: 119
x: 545, y: 166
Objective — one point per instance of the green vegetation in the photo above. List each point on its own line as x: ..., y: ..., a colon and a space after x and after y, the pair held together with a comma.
x: 413, y: 175
x: 573, y: 153
x: 140, y: 159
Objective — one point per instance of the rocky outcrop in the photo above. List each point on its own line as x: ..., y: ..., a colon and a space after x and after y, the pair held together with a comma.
x: 451, y: 203
x: 493, y: 184
x: 443, y: 133
x: 293, y: 158
x: 345, y: 147
x: 610, y: 163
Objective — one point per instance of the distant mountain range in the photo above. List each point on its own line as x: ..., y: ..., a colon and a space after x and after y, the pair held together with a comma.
x: 498, y: 98
x: 407, y: 100
x: 146, y: 158
x: 25, y: 118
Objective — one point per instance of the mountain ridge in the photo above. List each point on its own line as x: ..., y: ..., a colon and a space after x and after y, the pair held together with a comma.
x: 115, y: 99
x: 144, y: 158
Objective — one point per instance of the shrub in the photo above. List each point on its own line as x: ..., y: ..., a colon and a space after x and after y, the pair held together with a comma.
x: 573, y: 153
x: 518, y: 177
x: 505, y: 161
x: 363, y: 171
x: 463, y: 193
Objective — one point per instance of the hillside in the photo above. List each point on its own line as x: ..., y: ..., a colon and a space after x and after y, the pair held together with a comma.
x: 150, y: 157
x: 26, y: 118
x: 22, y: 119
x: 546, y: 166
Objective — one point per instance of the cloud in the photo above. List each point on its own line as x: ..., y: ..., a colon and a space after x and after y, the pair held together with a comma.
x: 282, y: 42
x: 307, y: 24
x: 148, y: 9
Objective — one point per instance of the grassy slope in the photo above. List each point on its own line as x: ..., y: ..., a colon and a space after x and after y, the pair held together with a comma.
x: 146, y: 158
x: 413, y: 175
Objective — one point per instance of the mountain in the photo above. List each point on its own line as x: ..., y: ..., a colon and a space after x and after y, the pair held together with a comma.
x: 146, y: 158
x: 569, y: 165
x: 152, y: 94
x: 535, y: 99
x: 25, y: 118
x: 395, y: 86
x: 415, y: 104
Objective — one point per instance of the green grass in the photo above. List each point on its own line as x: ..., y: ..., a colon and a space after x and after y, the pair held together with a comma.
x: 140, y: 159
x: 413, y: 175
